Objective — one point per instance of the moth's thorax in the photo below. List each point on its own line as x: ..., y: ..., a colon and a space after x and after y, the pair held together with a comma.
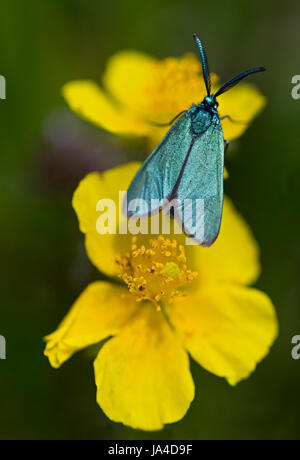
x: 202, y: 115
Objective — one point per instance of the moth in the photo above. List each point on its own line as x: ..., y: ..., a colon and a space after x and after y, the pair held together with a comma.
x: 186, y: 169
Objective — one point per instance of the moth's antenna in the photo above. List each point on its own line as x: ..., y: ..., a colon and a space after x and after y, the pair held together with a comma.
x: 234, y: 81
x: 206, y: 73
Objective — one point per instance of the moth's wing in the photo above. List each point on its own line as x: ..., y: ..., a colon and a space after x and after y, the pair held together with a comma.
x: 159, y: 173
x: 200, y: 191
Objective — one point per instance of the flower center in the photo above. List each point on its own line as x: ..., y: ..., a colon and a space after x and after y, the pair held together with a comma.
x: 173, y: 81
x: 156, y: 273
x: 173, y: 85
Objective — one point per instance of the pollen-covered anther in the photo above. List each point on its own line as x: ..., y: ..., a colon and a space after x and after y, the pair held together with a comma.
x: 156, y: 273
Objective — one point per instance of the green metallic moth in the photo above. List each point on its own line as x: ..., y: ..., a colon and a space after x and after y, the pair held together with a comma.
x: 185, y: 172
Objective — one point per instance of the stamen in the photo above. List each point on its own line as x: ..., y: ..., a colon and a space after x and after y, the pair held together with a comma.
x: 157, y: 273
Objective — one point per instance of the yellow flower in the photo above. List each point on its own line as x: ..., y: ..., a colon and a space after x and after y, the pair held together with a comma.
x: 171, y: 300
x: 140, y: 90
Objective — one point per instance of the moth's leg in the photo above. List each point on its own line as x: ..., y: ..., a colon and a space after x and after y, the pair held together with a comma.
x: 233, y: 121
x: 226, y: 145
x: 170, y: 122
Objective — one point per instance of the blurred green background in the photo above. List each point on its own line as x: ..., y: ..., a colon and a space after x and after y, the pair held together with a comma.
x: 45, y: 151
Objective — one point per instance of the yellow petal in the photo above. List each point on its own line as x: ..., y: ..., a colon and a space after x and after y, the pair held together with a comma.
x: 100, y: 311
x: 126, y: 76
x: 89, y: 101
x: 227, y: 329
x: 103, y: 249
x: 242, y: 103
x: 143, y: 376
x: 233, y: 257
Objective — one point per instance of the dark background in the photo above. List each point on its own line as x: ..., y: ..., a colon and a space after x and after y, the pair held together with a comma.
x: 45, y: 151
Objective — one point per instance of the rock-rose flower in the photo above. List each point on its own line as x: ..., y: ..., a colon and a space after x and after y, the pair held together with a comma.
x: 170, y: 301
x: 140, y: 90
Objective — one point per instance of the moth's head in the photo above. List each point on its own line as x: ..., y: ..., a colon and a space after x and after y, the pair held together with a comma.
x: 210, y: 102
